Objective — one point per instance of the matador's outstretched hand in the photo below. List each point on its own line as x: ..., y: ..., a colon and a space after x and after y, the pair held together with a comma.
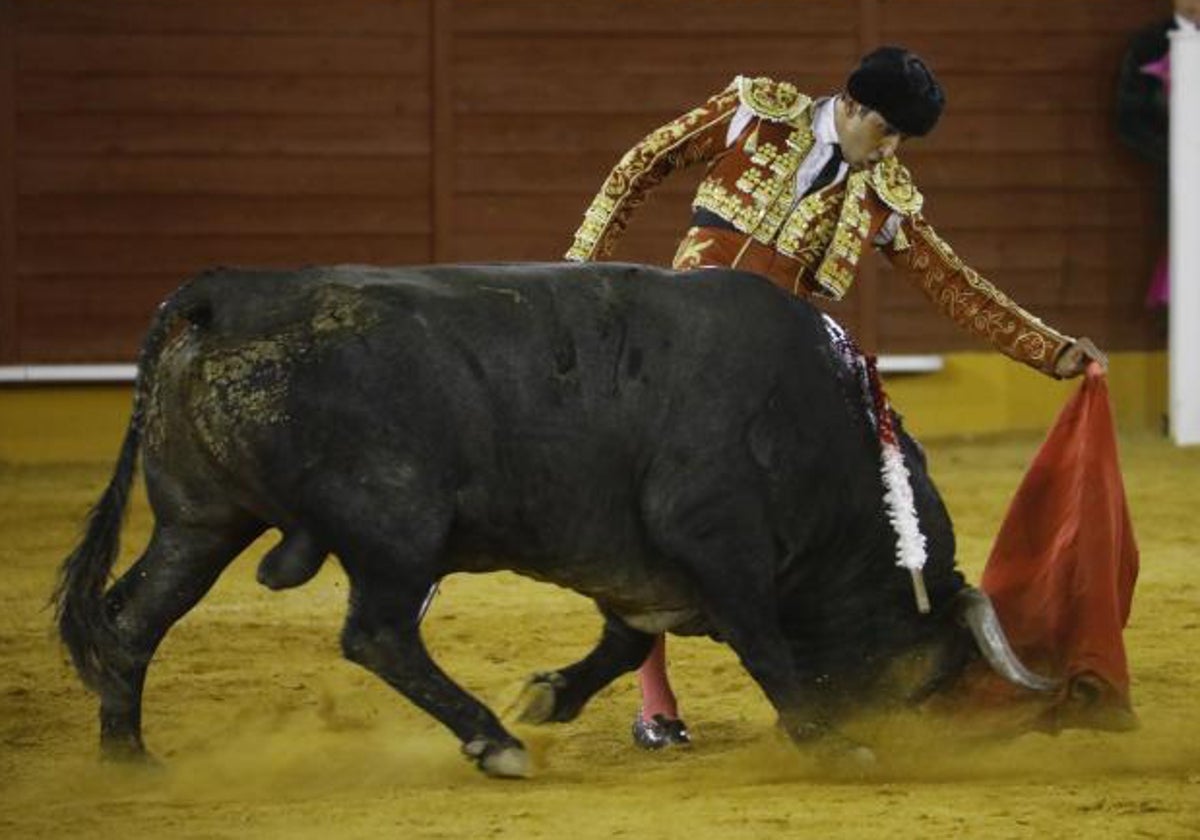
x: 1074, y: 360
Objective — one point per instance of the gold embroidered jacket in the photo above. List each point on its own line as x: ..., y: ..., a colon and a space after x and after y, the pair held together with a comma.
x: 806, y: 244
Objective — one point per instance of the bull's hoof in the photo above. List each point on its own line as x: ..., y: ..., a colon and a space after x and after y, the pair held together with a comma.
x: 836, y: 750
x: 500, y: 761
x: 660, y: 731
x: 844, y: 756
x: 127, y: 751
x: 850, y: 755
x: 539, y: 699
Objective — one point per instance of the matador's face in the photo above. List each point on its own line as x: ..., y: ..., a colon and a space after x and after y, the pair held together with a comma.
x: 865, y: 137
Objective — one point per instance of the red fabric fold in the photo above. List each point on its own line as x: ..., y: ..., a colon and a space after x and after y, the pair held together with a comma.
x: 1062, y: 572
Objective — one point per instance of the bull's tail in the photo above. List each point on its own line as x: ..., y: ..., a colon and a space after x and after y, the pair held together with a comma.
x: 85, y: 624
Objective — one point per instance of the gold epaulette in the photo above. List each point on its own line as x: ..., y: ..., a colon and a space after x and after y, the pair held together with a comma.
x: 771, y: 100
x: 894, y: 185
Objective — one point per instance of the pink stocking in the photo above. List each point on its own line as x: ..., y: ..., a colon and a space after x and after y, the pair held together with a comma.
x: 657, y: 697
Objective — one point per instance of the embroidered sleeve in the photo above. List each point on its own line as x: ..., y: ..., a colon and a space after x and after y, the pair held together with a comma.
x: 696, y: 136
x: 971, y: 301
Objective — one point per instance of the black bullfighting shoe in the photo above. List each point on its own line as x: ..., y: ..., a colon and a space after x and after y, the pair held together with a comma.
x: 660, y: 731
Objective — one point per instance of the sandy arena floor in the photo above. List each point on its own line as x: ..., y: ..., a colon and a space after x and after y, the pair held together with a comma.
x: 265, y: 732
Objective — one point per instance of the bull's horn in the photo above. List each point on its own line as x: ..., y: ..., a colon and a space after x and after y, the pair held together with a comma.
x: 977, y: 613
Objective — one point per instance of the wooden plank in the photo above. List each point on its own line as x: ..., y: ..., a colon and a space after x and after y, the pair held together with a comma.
x: 107, y: 135
x: 610, y: 134
x: 120, y: 255
x: 406, y: 96
x: 10, y: 348
x: 566, y: 171
x: 402, y: 177
x: 1108, y: 168
x: 1026, y: 17
x: 1046, y: 250
x: 443, y: 75
x: 89, y: 319
x: 987, y: 211
x: 521, y: 91
x: 656, y: 248
x: 1016, y: 92
x: 1032, y: 132
x: 658, y: 17
x: 199, y: 54
x: 532, y: 213
x: 70, y: 338
x: 1035, y: 290
x: 1003, y: 210
x: 569, y: 172
x: 1027, y: 53
x: 936, y: 334
x: 346, y: 17
x: 242, y: 215
x: 733, y: 51
x: 617, y: 131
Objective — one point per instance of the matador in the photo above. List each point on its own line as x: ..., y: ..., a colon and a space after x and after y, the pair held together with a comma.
x: 796, y: 188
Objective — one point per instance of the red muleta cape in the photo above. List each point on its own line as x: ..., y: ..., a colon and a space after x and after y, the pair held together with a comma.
x: 1061, y: 575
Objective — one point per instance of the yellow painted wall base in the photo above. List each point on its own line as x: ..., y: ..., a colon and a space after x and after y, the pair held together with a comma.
x: 40, y: 423
x: 985, y: 393
x: 976, y: 393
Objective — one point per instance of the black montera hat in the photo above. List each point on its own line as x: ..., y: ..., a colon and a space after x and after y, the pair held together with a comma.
x: 898, y: 84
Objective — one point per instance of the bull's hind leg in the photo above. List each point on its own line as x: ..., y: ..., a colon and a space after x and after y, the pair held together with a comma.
x: 382, y: 634
x: 179, y: 566
x: 559, y: 696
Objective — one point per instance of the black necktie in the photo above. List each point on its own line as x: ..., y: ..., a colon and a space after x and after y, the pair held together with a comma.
x: 828, y: 171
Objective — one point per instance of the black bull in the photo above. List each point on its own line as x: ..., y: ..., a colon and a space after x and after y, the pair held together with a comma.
x: 689, y: 451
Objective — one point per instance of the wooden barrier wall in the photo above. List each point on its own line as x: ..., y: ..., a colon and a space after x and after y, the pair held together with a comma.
x: 141, y: 141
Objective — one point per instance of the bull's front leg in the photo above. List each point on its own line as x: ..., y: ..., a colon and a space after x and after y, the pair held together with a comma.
x: 725, y: 545
x: 746, y: 622
x: 382, y: 634
x: 744, y: 613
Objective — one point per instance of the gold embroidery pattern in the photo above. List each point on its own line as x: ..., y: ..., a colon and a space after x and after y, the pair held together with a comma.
x: 809, y: 228
x: 760, y: 200
x: 838, y: 269
x: 769, y: 99
x: 976, y: 305
x: 691, y: 251
x: 644, y: 166
x: 895, y: 188
x: 763, y: 196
